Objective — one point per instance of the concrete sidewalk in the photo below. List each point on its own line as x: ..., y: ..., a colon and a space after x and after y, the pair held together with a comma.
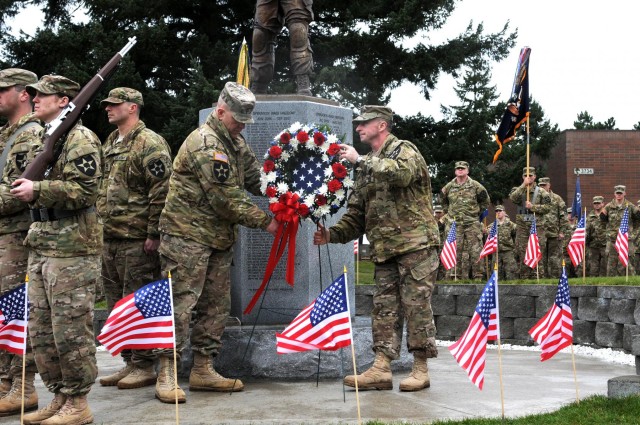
x: 529, y: 387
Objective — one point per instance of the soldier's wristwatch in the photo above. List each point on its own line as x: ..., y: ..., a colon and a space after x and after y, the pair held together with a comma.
x: 359, y: 160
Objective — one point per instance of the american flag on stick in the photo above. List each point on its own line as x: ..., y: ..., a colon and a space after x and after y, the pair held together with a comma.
x: 491, y: 244
x: 576, y: 244
x: 622, y: 241
x: 13, y: 320
x: 533, y: 254
x: 449, y: 250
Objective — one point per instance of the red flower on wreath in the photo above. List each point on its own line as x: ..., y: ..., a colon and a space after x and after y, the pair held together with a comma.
x: 321, y: 200
x: 271, y: 191
x: 302, y: 136
x: 285, y: 138
x: 318, y: 138
x: 333, y: 149
x: 303, y: 210
x: 275, y: 151
x: 339, y: 170
x: 334, y: 185
x: 269, y: 166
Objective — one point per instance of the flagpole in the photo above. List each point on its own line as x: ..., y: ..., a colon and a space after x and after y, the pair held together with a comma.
x: 584, y: 250
x: 358, y: 263
x: 486, y: 259
x: 24, y: 350
x: 175, y: 355
x: 528, y: 149
x: 353, y: 350
x: 499, y: 343
x: 575, y: 376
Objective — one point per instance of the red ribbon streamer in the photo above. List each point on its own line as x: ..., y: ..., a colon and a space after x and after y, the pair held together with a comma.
x: 286, y: 213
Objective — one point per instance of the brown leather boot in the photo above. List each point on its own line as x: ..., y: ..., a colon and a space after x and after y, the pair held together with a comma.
x: 166, y: 386
x: 113, y: 379
x: 46, y: 412
x: 138, y: 378
x: 75, y: 411
x: 419, y: 377
x: 204, y: 377
x: 377, y: 377
x: 11, y: 404
x: 5, y: 386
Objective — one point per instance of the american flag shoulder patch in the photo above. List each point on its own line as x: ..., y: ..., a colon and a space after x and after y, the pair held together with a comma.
x: 220, y: 156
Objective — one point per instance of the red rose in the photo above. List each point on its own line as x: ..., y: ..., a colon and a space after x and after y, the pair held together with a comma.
x: 285, y: 138
x: 302, y: 136
x: 269, y: 165
x: 303, y: 210
x: 339, y: 170
x: 318, y: 138
x: 334, y: 185
x: 271, y: 191
x: 321, y: 200
x: 275, y: 152
x: 333, y: 149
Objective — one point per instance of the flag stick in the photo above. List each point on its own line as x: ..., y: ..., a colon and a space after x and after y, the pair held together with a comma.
x: 575, y: 378
x: 527, y: 155
x: 175, y: 355
x: 486, y: 259
x: 584, y: 249
x: 353, y: 350
x: 24, y: 351
x: 358, y: 264
x: 499, y: 344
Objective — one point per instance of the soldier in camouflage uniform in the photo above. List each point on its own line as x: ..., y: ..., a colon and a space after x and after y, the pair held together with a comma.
x: 612, y: 214
x: 65, y: 242
x: 391, y: 202
x: 555, y: 229
x: 507, y: 265
x: 464, y: 199
x: 537, y: 202
x: 440, y: 217
x: 199, y: 224
x: 19, y: 137
x: 136, y: 169
x: 596, y: 239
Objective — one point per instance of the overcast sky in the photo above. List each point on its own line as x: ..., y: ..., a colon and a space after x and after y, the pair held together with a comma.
x: 584, y: 56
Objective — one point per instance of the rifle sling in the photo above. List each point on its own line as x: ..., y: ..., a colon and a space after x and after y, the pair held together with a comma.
x: 11, y: 140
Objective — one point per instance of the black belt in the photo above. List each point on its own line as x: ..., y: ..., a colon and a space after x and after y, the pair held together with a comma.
x: 53, y: 214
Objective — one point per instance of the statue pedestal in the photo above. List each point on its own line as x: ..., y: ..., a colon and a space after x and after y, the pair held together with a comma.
x: 315, y: 269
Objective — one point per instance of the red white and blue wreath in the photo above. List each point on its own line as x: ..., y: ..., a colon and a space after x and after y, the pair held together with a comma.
x: 302, y: 172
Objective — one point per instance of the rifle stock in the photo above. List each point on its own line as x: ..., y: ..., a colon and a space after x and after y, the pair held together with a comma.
x: 70, y: 115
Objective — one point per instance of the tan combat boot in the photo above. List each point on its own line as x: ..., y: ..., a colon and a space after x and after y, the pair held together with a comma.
x: 113, y: 379
x: 75, y: 411
x: 377, y: 377
x: 166, y: 386
x: 46, y: 412
x: 5, y: 386
x: 204, y: 377
x: 138, y: 378
x: 419, y: 377
x: 11, y: 404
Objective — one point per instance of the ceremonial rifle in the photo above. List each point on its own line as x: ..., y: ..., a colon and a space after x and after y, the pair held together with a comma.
x: 70, y: 115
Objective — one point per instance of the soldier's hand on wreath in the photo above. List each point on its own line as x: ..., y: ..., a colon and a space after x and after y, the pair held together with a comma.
x: 23, y: 190
x: 321, y: 236
x: 349, y: 153
x: 273, y: 227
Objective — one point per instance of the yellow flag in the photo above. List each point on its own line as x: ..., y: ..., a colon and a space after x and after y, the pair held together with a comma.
x: 243, y: 65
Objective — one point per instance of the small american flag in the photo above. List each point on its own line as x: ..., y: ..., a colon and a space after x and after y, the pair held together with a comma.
x: 622, y: 241
x: 13, y: 320
x: 469, y: 351
x: 576, y: 244
x: 449, y: 250
x: 355, y: 247
x: 533, y: 254
x: 324, y: 325
x: 491, y: 244
x: 141, y: 320
x: 555, y: 330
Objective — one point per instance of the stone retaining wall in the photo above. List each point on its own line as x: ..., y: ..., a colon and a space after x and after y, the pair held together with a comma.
x: 603, y: 316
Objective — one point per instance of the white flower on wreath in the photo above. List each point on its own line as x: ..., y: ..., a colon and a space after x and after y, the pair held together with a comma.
x: 285, y: 156
x: 347, y: 182
x: 321, y: 211
x: 271, y: 177
x: 328, y: 172
x: 263, y: 185
x: 295, y: 127
x: 332, y: 138
x: 322, y: 190
x: 339, y: 195
x: 309, y: 200
x: 306, y: 128
x: 283, y: 188
x: 294, y: 144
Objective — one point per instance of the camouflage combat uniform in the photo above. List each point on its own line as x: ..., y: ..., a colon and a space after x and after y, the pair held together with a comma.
x: 507, y: 265
x: 555, y: 223
x: 541, y: 204
x: 64, y: 265
x: 464, y: 203
x: 391, y: 203
x: 613, y: 219
x: 199, y: 224
x: 14, y: 223
x: 136, y: 173
x: 596, y: 245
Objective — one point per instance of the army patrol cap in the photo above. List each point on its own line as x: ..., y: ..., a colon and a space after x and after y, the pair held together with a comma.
x: 597, y: 199
x: 240, y: 101
x: 532, y: 171
x: 499, y: 207
x: 462, y: 164
x: 437, y: 208
x: 15, y: 76
x: 544, y: 180
x: 370, y: 112
x: 620, y: 188
x: 54, y: 84
x: 569, y: 210
x: 123, y: 94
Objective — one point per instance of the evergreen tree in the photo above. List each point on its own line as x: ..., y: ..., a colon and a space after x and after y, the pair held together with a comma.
x: 585, y: 122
